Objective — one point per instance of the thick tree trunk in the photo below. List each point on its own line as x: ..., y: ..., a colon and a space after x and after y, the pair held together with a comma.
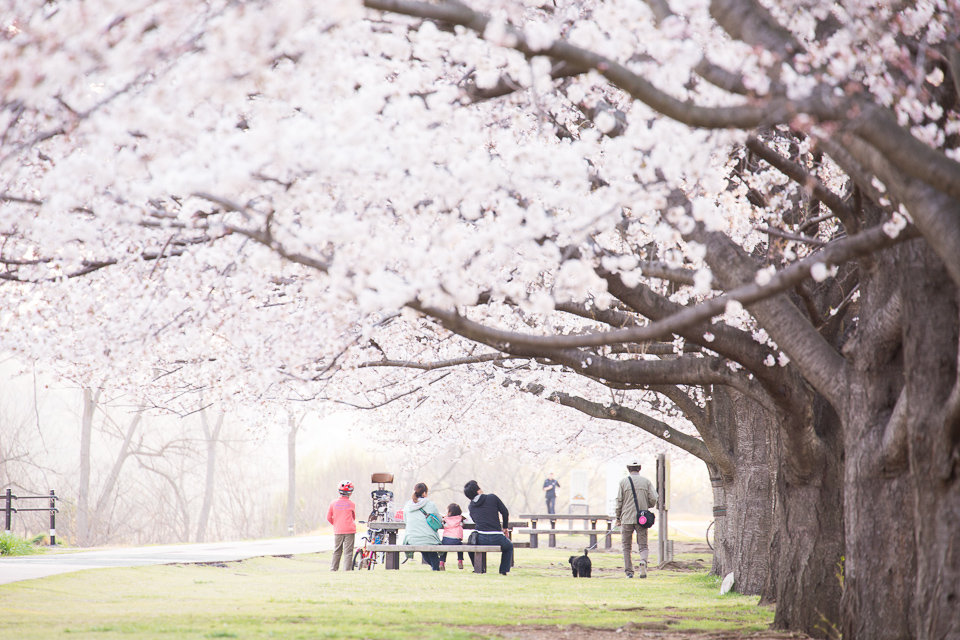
x: 902, y: 572
x: 808, y: 541
x: 931, y: 366
x: 743, y: 504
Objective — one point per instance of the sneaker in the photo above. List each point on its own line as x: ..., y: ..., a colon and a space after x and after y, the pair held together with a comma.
x: 629, y: 575
x: 503, y: 573
x: 643, y: 570
x: 460, y: 564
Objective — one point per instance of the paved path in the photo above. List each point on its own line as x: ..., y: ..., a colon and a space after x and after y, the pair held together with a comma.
x: 48, y: 564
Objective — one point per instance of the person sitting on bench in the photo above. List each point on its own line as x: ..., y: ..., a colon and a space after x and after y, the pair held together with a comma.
x: 485, y: 511
x: 418, y: 531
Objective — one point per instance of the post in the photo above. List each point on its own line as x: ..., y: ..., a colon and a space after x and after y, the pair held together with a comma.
x: 53, y: 518
x: 663, y: 490
x: 8, y: 510
x: 391, y: 560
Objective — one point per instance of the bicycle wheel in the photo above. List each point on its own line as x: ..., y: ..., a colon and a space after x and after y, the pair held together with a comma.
x: 358, y: 559
x: 710, y: 526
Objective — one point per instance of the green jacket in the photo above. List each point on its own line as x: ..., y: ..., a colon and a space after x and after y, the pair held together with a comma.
x: 417, y: 531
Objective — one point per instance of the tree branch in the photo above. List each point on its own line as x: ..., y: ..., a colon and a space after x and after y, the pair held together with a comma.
x: 936, y: 213
x: 910, y: 156
x: 715, y: 75
x: 619, y: 413
x: 799, y: 175
x: 819, y: 362
x: 744, y: 116
x: 894, y: 445
x: 442, y: 364
x: 707, y: 427
x: 835, y: 253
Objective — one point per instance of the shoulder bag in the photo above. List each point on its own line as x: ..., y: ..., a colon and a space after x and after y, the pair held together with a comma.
x: 433, y: 520
x: 645, y: 518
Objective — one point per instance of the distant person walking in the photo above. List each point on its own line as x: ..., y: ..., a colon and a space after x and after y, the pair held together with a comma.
x: 635, y: 494
x: 418, y: 530
x: 342, y: 514
x: 485, y: 511
x: 550, y: 490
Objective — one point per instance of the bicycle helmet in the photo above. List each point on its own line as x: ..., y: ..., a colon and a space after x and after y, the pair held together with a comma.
x: 346, y: 488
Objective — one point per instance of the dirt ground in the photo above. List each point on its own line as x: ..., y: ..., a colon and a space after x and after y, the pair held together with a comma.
x: 633, y: 631
x: 652, y: 631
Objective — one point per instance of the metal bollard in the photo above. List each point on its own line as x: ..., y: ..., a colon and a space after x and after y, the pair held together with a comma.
x: 8, y: 510
x: 53, y: 518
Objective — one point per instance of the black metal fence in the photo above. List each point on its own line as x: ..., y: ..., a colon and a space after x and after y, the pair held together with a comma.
x: 9, y: 510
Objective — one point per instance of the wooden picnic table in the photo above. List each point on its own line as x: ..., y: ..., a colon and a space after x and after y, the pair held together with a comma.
x: 552, y: 532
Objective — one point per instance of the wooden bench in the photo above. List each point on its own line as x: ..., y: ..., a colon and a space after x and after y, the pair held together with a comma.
x: 479, y: 552
x: 392, y: 528
x: 552, y: 532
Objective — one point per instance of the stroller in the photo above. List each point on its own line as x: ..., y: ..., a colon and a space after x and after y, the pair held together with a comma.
x: 382, y: 511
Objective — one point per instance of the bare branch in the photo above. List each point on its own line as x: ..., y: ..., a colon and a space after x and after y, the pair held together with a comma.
x: 663, y: 271
x: 790, y: 236
x: 6, y: 197
x: 442, y: 364
x: 690, y: 409
x: 799, y: 175
x: 268, y: 241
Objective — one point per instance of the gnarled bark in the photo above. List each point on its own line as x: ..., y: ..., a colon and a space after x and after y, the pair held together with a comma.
x: 743, y: 504
x: 902, y: 569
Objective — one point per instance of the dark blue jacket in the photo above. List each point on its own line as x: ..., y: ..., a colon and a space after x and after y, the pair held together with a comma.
x: 484, y: 511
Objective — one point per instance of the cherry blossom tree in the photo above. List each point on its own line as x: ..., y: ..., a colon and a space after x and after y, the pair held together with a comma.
x: 727, y: 431
x: 240, y: 196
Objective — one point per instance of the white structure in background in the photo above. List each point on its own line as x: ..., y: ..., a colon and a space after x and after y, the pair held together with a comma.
x: 579, y: 491
x: 616, y: 471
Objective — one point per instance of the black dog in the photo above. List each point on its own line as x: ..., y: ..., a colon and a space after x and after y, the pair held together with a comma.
x: 581, y: 565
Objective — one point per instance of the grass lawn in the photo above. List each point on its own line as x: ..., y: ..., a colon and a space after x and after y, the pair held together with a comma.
x: 300, y: 597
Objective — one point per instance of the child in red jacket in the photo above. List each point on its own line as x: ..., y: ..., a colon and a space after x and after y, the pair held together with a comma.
x: 342, y: 514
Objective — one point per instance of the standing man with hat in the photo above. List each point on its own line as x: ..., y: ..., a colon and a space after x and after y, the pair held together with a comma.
x: 635, y: 494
